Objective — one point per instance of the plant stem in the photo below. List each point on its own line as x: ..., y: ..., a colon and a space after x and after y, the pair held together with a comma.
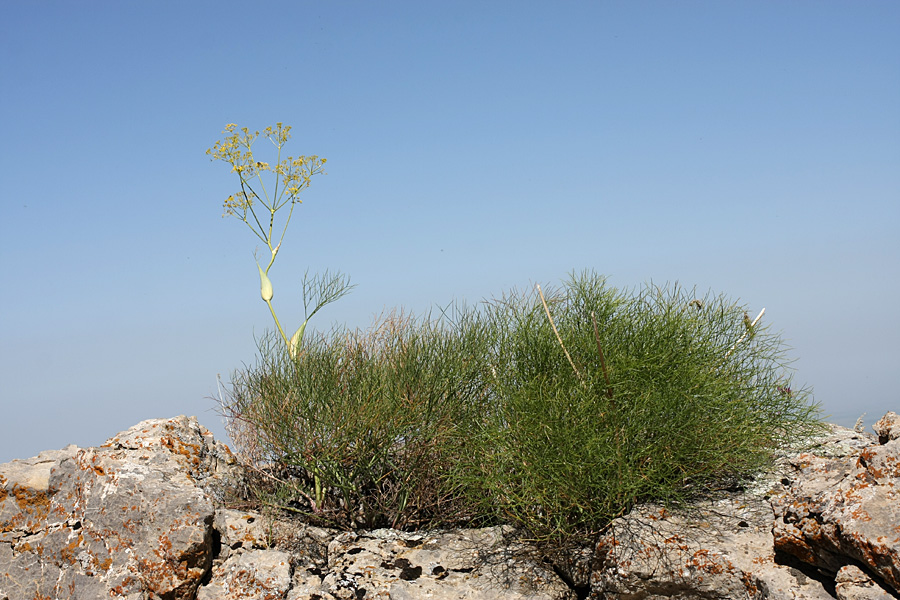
x: 553, y: 325
x: 748, y: 332
x: 274, y: 316
x: 609, y: 392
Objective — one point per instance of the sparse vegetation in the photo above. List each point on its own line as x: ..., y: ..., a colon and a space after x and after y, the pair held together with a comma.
x: 554, y: 410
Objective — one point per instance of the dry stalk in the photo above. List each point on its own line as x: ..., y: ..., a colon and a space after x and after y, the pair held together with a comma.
x: 553, y: 325
x: 746, y: 333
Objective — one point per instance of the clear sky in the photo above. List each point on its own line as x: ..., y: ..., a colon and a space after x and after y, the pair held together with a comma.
x: 751, y: 148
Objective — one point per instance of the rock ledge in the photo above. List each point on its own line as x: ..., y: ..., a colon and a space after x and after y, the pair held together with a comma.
x: 143, y: 517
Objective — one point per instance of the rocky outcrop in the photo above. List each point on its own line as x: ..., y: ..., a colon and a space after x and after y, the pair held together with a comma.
x: 477, y: 564
x: 131, y: 519
x: 843, y: 507
x: 821, y: 524
x: 719, y: 549
x: 145, y: 517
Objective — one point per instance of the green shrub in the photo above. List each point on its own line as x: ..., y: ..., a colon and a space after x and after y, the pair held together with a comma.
x: 554, y: 410
x: 364, y: 423
x: 680, y: 407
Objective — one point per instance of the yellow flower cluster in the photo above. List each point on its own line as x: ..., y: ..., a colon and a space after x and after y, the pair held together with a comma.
x: 237, y: 202
x: 292, y: 175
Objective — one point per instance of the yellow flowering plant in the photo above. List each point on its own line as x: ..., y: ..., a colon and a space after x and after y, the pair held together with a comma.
x: 257, y: 207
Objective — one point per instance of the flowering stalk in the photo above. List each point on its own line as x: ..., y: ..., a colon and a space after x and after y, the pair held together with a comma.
x: 257, y: 209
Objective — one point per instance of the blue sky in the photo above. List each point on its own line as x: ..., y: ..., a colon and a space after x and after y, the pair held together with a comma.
x: 751, y: 148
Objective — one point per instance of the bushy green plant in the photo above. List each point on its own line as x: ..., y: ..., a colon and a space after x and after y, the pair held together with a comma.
x: 366, y: 423
x: 604, y: 399
x: 554, y: 410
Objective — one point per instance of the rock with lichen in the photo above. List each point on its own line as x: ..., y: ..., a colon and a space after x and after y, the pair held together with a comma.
x: 845, y: 510
x: 144, y: 517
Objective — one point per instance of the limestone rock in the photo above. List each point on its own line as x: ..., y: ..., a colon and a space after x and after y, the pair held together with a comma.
x: 840, y: 511
x: 831, y: 506
x: 144, y: 517
x: 250, y: 575
x: 473, y: 564
x: 718, y: 549
x: 887, y: 427
x: 853, y: 584
x: 129, y: 519
x: 241, y: 530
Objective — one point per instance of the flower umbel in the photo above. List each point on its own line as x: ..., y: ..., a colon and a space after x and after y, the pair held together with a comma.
x: 256, y: 204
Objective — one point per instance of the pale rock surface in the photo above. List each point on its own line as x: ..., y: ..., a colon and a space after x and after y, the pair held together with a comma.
x: 844, y: 510
x: 718, y: 549
x: 475, y: 564
x: 130, y: 519
x: 144, y: 517
x: 254, y: 574
x: 887, y: 428
x: 832, y: 506
x: 853, y: 584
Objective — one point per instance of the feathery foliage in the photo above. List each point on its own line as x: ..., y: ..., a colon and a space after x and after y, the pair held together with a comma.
x: 554, y: 410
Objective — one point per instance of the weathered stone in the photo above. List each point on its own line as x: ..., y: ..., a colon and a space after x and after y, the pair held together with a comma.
x: 128, y: 519
x: 716, y: 550
x: 725, y: 548
x: 852, y: 583
x: 241, y: 529
x: 887, y: 427
x: 201, y: 458
x: 473, y: 564
x: 253, y: 575
x: 143, y: 518
x: 840, y: 511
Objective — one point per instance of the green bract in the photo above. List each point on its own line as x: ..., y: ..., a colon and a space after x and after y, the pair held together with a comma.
x: 265, y: 286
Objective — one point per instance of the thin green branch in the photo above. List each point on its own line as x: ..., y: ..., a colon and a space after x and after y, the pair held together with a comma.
x: 609, y: 391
